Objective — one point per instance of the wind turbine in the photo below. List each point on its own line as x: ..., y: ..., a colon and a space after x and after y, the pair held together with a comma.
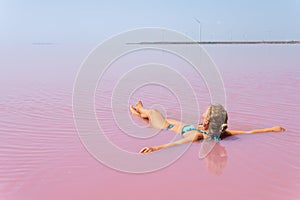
x: 199, y: 22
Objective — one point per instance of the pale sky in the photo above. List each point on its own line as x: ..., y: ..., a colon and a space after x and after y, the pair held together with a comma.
x: 64, y: 22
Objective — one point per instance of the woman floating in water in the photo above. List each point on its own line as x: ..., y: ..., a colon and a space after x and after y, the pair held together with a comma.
x: 213, y: 126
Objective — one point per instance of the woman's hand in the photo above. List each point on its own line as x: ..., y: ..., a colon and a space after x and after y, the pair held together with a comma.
x: 147, y: 150
x: 278, y: 129
x: 190, y: 137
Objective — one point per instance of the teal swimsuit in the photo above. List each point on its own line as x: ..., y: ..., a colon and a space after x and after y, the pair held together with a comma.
x: 188, y: 128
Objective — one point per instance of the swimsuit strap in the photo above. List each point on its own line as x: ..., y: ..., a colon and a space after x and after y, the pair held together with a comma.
x: 187, y: 128
x: 170, y: 126
x: 215, y: 137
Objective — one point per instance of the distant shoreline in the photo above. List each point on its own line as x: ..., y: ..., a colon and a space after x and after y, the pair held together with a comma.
x: 218, y: 42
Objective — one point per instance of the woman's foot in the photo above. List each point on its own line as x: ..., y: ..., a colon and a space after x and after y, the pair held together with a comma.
x: 138, y: 105
x: 133, y: 110
x: 144, y: 113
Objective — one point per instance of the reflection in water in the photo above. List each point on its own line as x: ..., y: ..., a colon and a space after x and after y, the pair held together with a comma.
x: 216, y: 159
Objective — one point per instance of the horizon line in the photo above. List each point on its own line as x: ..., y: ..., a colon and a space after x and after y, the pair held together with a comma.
x: 220, y: 42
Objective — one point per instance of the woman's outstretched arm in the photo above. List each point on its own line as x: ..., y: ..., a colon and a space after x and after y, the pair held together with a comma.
x: 189, y: 138
x: 275, y: 129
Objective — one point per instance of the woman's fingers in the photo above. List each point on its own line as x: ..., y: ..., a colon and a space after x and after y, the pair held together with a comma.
x: 142, y: 150
x: 146, y: 150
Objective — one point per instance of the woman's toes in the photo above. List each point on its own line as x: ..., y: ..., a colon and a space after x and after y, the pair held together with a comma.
x: 139, y: 104
x: 133, y: 110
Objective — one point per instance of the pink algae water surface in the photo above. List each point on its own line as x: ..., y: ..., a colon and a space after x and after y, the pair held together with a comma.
x: 42, y: 156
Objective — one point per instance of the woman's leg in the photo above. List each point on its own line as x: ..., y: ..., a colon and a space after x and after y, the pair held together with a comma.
x: 156, y: 119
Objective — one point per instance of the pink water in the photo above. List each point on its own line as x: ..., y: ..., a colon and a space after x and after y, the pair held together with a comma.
x: 42, y: 156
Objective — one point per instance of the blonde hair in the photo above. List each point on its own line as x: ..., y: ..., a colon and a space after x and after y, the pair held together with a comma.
x: 217, y: 117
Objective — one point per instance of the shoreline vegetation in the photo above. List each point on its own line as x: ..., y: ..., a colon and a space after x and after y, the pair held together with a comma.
x: 218, y: 42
